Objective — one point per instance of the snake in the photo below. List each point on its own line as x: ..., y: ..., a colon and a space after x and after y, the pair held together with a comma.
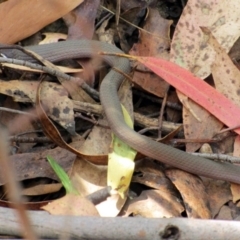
x: 76, y: 49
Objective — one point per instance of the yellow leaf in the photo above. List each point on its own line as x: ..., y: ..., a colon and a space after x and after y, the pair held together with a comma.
x: 121, y: 162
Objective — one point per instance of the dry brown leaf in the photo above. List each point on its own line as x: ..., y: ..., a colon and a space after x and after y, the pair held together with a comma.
x: 236, y: 148
x: 152, y: 45
x: 21, y: 18
x: 104, y: 33
x: 20, y: 91
x: 41, y: 189
x: 235, y: 189
x: 59, y: 107
x: 88, y: 178
x: 126, y: 29
x: 218, y: 194
x: 188, y: 47
x: 224, y: 213
x: 98, y: 140
x: 81, y: 20
x: 52, y: 132
x: 55, y: 98
x: 6, y: 120
x: 225, y: 74
x: 81, y: 25
x: 193, y: 129
x: 206, y: 148
x: 172, y: 114
x: 189, y: 50
x: 226, y: 77
x: 154, y: 204
x: 34, y: 165
x: 151, y: 174
x: 52, y: 37
x: 72, y: 205
x: 193, y: 193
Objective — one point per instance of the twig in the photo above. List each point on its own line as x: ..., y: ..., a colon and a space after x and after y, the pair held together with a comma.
x: 99, y: 196
x: 160, y: 118
x: 50, y: 226
x: 30, y: 139
x: 93, y: 121
x: 158, y: 100
x: 52, y: 72
x: 218, y: 156
x: 141, y: 120
x: 139, y: 28
x: 16, y: 111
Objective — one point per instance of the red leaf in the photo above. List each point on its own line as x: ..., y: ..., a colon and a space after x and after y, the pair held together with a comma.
x: 196, y: 89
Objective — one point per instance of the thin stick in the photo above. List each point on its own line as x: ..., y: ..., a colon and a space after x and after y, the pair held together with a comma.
x: 14, y: 194
x: 52, y: 72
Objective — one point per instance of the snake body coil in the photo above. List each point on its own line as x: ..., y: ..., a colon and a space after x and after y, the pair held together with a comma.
x: 111, y: 105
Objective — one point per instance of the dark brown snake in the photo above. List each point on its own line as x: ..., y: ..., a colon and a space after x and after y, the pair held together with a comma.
x: 108, y: 95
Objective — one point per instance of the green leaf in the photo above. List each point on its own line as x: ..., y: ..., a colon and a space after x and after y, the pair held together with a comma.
x: 62, y: 175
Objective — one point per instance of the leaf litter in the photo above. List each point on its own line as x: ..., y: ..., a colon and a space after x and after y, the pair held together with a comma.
x: 201, y: 54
